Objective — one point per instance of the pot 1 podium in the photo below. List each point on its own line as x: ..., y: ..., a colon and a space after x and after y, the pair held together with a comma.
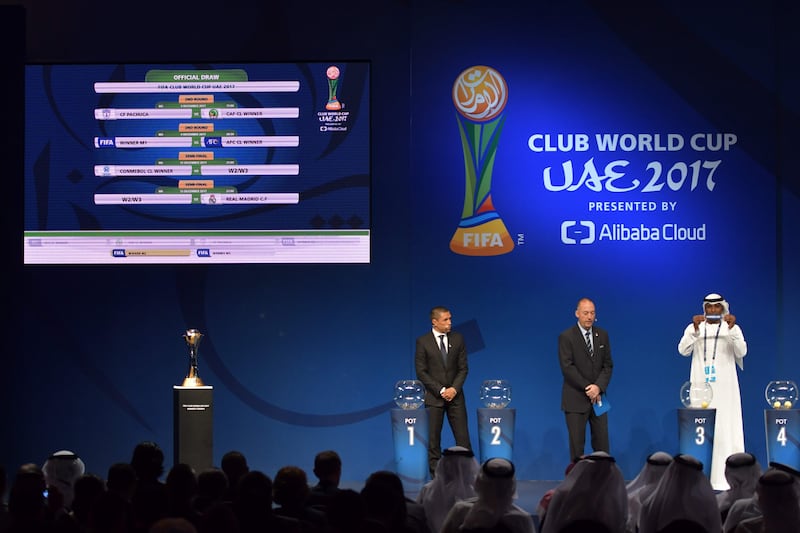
x: 410, y: 433
x: 410, y: 429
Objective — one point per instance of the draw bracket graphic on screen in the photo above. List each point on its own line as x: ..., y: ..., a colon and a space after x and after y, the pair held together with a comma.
x: 188, y: 164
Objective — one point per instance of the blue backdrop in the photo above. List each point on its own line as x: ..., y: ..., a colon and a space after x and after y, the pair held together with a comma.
x: 303, y: 358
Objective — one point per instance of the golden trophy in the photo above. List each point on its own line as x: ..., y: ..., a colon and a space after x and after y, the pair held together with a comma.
x: 192, y: 338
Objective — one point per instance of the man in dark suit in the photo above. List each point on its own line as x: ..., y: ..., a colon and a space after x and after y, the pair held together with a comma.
x: 441, y: 362
x: 584, y: 353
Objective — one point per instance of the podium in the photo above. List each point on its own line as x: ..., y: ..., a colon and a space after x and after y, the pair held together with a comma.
x: 410, y: 433
x: 496, y: 433
x: 782, y: 428
x: 696, y: 435
x: 193, y: 409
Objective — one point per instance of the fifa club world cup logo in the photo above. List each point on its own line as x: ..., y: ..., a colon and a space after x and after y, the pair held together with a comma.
x: 480, y: 94
x: 333, y: 83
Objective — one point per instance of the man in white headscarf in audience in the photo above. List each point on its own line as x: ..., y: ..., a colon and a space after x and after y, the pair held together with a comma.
x: 746, y: 508
x: 742, y: 472
x: 644, y: 484
x: 456, y: 473
x: 683, y: 494
x: 493, y: 507
x: 61, y: 470
x: 779, y: 500
x: 592, y: 493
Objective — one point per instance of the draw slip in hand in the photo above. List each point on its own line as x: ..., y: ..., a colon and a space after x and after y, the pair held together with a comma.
x: 602, y: 406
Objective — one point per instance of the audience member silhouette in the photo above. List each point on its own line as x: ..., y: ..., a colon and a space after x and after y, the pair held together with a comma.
x: 234, y: 464
x: 4, y: 518
x: 547, y: 497
x: 109, y: 514
x: 746, y: 508
x: 455, y: 477
x: 386, y: 504
x: 643, y: 485
x: 27, y: 506
x: 253, y: 507
x: 347, y: 513
x: 86, y: 489
x: 219, y: 517
x: 290, y: 492
x: 121, y: 479
x: 173, y: 525
x: 150, y: 496
x: 684, y: 493
x: 742, y: 472
x: 779, y: 500
x: 493, y: 508
x: 212, y: 487
x: 181, y: 487
x: 593, y: 492
x: 328, y: 469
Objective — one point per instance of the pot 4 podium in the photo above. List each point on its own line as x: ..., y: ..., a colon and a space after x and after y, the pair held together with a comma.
x: 410, y: 430
x: 782, y: 423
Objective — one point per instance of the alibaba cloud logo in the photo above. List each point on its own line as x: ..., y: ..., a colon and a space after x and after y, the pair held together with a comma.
x: 479, y: 95
x: 577, y: 232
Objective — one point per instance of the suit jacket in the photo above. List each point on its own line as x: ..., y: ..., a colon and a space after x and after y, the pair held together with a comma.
x: 580, y: 369
x: 431, y: 370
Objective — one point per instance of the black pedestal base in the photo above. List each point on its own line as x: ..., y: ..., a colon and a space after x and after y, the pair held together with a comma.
x: 193, y: 432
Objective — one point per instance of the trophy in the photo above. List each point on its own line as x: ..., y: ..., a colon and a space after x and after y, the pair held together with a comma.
x: 192, y: 338
x: 781, y: 394
x: 495, y: 393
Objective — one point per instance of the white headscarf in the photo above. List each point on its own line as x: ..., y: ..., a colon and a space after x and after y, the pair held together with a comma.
x: 496, y: 487
x: 644, y: 484
x: 684, y: 493
x: 742, y: 471
x: 715, y: 298
x: 61, y: 470
x: 454, y: 480
x: 593, y: 491
x: 779, y: 499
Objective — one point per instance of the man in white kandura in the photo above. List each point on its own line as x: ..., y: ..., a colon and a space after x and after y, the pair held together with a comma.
x: 717, y: 346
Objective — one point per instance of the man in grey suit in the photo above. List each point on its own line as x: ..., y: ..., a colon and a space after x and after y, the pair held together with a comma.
x: 441, y: 361
x: 584, y: 353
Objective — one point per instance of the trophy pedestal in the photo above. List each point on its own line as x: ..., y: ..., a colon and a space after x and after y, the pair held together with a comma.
x: 410, y: 434
x: 496, y: 433
x: 193, y: 426
x: 782, y: 427
x: 696, y: 435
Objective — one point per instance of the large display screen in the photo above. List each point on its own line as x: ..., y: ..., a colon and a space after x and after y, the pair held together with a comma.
x: 197, y: 163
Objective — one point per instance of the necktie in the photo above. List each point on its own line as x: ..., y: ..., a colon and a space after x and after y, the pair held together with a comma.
x: 443, y: 349
x: 589, y: 344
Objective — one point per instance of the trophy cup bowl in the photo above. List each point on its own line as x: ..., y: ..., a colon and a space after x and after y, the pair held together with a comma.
x: 192, y: 338
x: 409, y: 394
x: 495, y: 393
x: 696, y: 395
x: 781, y: 394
